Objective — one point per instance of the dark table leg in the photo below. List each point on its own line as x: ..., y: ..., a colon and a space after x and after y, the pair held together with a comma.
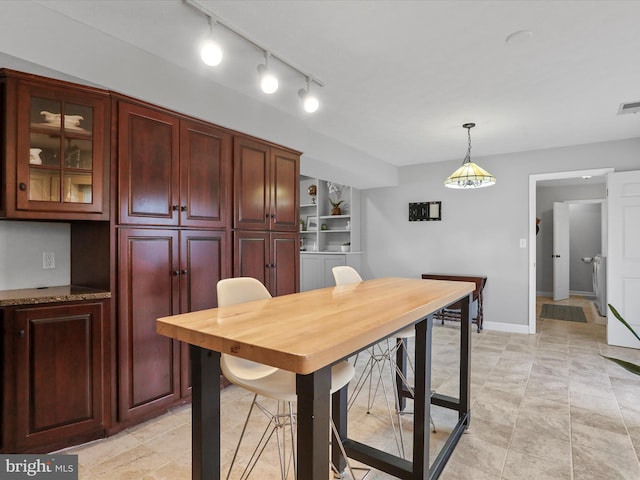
x: 313, y: 424
x: 205, y: 414
x: 339, y: 415
x: 401, y: 372
x: 422, y: 399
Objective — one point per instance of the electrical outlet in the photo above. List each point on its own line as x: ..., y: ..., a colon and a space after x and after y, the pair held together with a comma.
x: 48, y: 260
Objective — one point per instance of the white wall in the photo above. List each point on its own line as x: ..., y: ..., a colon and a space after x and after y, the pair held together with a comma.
x: 21, y: 247
x: 481, y: 229
x: 585, y: 223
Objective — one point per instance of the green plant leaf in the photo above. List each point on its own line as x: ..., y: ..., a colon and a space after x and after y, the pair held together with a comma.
x: 631, y: 367
x: 622, y: 320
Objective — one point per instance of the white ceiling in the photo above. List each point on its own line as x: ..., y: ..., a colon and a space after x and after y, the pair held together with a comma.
x: 401, y: 77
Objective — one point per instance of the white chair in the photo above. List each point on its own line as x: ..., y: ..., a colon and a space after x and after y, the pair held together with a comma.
x: 268, y: 381
x: 380, y: 355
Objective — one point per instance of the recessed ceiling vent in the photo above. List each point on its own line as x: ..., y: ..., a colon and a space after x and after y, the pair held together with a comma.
x: 631, y: 107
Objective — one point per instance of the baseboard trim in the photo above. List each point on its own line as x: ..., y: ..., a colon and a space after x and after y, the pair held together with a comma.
x: 505, y: 327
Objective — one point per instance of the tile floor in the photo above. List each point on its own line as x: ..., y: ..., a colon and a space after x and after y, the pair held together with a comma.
x: 544, y: 406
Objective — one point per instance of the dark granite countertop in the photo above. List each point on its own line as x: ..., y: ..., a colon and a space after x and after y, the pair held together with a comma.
x: 64, y: 293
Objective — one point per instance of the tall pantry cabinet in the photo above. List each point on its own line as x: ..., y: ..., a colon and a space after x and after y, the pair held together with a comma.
x: 266, y: 234
x: 173, y: 245
x: 185, y: 188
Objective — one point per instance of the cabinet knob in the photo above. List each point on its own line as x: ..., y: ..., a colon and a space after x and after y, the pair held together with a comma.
x: 183, y: 208
x: 21, y: 334
x: 184, y: 272
x: 176, y: 273
x: 22, y: 186
x: 175, y: 208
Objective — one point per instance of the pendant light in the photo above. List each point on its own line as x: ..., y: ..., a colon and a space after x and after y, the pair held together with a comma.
x: 469, y: 175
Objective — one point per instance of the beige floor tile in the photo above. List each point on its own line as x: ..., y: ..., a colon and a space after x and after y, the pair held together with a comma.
x: 520, y: 466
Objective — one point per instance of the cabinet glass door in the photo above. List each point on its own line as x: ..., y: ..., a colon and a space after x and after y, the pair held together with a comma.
x: 60, y: 151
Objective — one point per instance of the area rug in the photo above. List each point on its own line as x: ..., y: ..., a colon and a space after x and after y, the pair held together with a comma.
x: 563, y: 312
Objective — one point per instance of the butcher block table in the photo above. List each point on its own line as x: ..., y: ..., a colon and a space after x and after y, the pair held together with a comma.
x: 306, y: 333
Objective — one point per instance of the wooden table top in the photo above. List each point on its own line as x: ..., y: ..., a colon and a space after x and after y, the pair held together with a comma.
x: 304, y: 332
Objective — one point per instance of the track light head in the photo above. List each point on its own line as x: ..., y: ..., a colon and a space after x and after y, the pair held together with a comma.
x: 309, y: 101
x: 268, y: 81
x: 210, y: 52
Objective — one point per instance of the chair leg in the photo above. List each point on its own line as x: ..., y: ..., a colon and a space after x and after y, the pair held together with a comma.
x: 278, y: 420
x: 349, y: 468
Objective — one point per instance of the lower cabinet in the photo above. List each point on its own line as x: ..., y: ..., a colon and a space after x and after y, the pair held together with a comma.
x: 161, y: 273
x: 57, y: 357
x: 271, y: 257
x: 316, y: 268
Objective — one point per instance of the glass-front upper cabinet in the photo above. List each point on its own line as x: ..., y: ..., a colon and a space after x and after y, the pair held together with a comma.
x: 61, y: 152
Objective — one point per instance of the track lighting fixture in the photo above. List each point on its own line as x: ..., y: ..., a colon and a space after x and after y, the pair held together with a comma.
x: 469, y: 175
x: 268, y: 81
x: 309, y: 101
x: 211, y: 54
x: 210, y: 51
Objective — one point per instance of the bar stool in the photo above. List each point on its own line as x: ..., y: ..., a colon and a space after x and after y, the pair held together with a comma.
x: 270, y: 382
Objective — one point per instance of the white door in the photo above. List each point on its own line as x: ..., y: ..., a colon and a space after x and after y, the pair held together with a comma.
x: 560, y: 251
x: 623, y: 264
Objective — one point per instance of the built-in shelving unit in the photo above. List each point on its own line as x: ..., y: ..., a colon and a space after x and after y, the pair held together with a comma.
x: 326, y: 239
x: 322, y: 232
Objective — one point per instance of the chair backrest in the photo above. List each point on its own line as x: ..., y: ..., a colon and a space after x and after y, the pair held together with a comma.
x: 240, y: 290
x: 344, y: 275
x: 232, y: 291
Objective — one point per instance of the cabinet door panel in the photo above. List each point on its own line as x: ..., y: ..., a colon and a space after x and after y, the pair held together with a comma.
x: 205, y: 260
x: 61, y: 155
x: 251, y: 255
x: 148, y: 166
x: 205, y: 159
x: 285, y: 172
x: 59, y: 383
x: 148, y: 289
x: 251, y: 185
x: 285, y: 266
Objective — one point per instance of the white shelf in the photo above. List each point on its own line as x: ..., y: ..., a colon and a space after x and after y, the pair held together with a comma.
x: 332, y: 230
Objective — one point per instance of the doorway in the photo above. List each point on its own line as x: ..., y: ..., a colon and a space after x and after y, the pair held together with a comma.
x: 534, y: 182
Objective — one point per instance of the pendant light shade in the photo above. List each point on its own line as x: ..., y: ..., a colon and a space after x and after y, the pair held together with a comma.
x: 469, y: 175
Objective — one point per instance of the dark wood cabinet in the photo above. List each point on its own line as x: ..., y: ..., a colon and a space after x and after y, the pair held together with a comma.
x: 205, y: 163
x: 271, y: 257
x: 55, y: 149
x: 204, y: 260
x: 266, y: 183
x: 57, y: 358
x: 266, y: 229
x: 167, y: 190
x: 172, y: 171
x: 161, y: 272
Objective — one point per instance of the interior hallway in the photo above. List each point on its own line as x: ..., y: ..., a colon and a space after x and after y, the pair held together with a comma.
x: 544, y: 406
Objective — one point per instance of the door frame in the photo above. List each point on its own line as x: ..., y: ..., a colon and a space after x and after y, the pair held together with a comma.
x: 533, y: 181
